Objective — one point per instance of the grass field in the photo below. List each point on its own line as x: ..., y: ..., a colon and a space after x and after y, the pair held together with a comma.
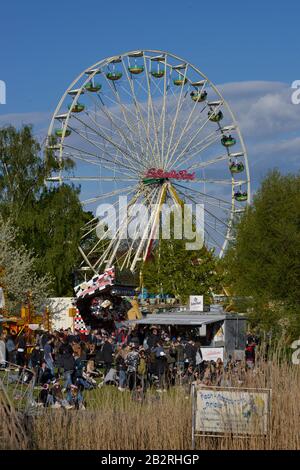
x: 113, y: 420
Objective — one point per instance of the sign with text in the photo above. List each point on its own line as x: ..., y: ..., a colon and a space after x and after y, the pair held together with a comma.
x: 212, y: 354
x: 196, y: 303
x: 232, y: 410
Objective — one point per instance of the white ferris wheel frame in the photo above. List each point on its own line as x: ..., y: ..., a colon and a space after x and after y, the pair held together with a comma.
x: 91, y: 72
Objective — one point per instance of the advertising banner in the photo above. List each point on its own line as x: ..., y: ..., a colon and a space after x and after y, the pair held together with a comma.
x: 232, y: 410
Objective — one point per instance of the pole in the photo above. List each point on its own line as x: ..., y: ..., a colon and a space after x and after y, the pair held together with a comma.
x: 193, y: 416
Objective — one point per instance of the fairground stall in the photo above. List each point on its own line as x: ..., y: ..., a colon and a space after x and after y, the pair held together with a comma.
x: 219, y: 334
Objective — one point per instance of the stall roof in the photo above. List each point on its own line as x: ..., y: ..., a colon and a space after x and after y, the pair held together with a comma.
x: 178, y: 318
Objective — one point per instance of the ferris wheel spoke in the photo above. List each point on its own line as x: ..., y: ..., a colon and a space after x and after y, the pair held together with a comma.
x: 214, y: 216
x: 132, y: 130
x: 205, y: 143
x: 219, y: 200
x: 115, y: 131
x: 104, y: 196
x: 150, y: 108
x: 150, y: 200
x: 142, y: 142
x: 180, y: 103
x: 149, y: 226
x: 162, y: 119
x: 100, y: 159
x: 198, y: 166
x: 218, y: 244
x: 123, y: 107
x: 211, y: 138
x: 105, y: 110
x: 173, y: 150
x: 128, y: 150
x: 138, y: 108
x: 114, y: 244
x: 115, y: 159
x: 105, y: 137
x: 92, y: 224
x: 94, y: 178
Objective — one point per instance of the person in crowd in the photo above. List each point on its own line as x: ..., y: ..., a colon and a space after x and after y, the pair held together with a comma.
x: 21, y: 350
x: 75, y: 397
x: 132, y: 362
x: 250, y: 353
x: 190, y: 352
x: 58, y: 397
x: 11, y: 349
x: 152, y: 339
x: 2, y: 351
x: 35, y: 361
x: 142, y: 370
x: 45, y: 374
x: 68, y: 365
x: 107, y: 353
x: 45, y: 395
x: 48, y: 354
x: 120, y: 360
x: 161, y: 365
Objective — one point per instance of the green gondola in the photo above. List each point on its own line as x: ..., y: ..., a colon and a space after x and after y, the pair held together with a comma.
x: 237, y: 167
x: 147, y: 181
x: 93, y: 88
x: 59, y: 132
x: 228, y: 141
x: 215, y: 117
x: 76, y: 108
x: 179, y: 81
x: 199, y: 96
x: 241, y: 197
x: 114, y: 76
x: 136, y: 69
x: 157, y: 73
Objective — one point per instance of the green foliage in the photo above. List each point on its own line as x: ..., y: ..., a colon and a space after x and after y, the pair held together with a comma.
x: 174, y: 270
x: 264, y: 262
x: 18, y: 275
x: 49, y: 221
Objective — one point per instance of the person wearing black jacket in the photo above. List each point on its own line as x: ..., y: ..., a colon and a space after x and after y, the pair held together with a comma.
x: 68, y: 365
x: 190, y: 351
x: 36, y: 357
x: 107, y: 354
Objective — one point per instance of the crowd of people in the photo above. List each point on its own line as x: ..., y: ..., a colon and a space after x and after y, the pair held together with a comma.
x: 63, y: 364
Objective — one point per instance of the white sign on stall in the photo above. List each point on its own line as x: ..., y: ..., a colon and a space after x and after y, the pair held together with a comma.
x: 196, y: 303
x: 242, y: 412
x: 212, y: 354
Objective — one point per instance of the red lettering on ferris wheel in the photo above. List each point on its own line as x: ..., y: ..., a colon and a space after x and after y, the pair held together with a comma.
x: 178, y: 175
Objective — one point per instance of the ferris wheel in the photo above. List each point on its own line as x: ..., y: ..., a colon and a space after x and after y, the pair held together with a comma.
x: 150, y: 126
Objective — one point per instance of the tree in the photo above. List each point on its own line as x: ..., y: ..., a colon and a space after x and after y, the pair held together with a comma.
x: 263, y: 263
x: 18, y: 276
x: 174, y: 270
x: 49, y: 221
x: 55, y: 234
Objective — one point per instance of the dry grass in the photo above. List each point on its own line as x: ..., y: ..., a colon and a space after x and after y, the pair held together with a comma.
x: 116, y: 422
x: 113, y: 420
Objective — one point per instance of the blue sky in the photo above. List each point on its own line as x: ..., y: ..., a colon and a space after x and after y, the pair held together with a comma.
x: 250, y: 49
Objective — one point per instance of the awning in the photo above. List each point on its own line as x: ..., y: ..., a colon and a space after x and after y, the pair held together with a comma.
x: 178, y: 318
